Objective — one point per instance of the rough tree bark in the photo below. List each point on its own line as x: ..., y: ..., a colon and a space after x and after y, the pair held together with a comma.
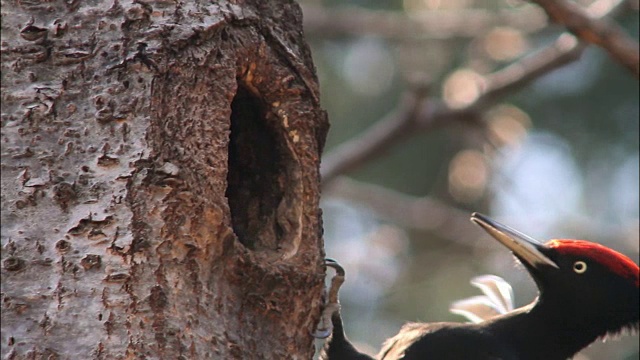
x: 160, y: 181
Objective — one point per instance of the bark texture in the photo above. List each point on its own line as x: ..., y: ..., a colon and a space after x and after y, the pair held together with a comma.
x: 160, y: 181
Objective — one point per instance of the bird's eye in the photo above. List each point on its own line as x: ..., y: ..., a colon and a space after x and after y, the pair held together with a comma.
x: 580, y: 267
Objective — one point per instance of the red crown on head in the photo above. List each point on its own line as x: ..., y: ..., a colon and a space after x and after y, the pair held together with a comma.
x: 615, y: 261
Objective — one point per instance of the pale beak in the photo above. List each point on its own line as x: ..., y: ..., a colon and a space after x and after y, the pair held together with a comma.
x: 524, y: 247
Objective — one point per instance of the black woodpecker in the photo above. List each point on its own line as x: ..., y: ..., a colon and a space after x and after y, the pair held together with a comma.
x: 586, y: 291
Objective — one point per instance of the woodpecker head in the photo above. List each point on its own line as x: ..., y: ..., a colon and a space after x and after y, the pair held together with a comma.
x: 583, y: 282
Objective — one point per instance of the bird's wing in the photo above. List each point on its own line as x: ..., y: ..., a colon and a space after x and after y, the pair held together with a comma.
x: 476, y: 308
x: 497, y: 299
x: 497, y: 289
x: 394, y: 348
x: 450, y: 341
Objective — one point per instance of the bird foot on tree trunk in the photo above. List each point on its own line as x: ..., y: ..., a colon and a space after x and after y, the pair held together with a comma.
x: 332, y: 305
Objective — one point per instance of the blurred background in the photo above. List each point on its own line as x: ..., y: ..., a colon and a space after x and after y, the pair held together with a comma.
x: 441, y: 108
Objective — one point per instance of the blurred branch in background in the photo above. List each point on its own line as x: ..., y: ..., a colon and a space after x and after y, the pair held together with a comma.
x: 425, y: 213
x: 590, y: 27
x: 419, y: 112
x: 467, y: 23
x: 420, y: 213
x: 415, y: 110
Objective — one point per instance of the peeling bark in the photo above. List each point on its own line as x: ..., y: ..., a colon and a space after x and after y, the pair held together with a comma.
x: 160, y: 183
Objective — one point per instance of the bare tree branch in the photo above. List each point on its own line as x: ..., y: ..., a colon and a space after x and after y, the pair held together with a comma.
x: 429, y: 214
x: 394, y: 127
x: 435, y: 24
x: 566, y: 49
x: 417, y: 112
x: 589, y: 27
x: 420, y: 213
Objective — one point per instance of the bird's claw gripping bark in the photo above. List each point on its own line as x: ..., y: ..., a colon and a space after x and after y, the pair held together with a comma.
x: 325, y: 328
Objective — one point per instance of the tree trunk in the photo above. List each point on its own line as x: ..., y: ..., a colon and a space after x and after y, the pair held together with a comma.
x: 160, y: 181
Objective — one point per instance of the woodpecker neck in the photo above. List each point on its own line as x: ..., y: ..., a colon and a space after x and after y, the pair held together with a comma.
x: 565, y: 330
x: 338, y: 346
x: 541, y: 331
